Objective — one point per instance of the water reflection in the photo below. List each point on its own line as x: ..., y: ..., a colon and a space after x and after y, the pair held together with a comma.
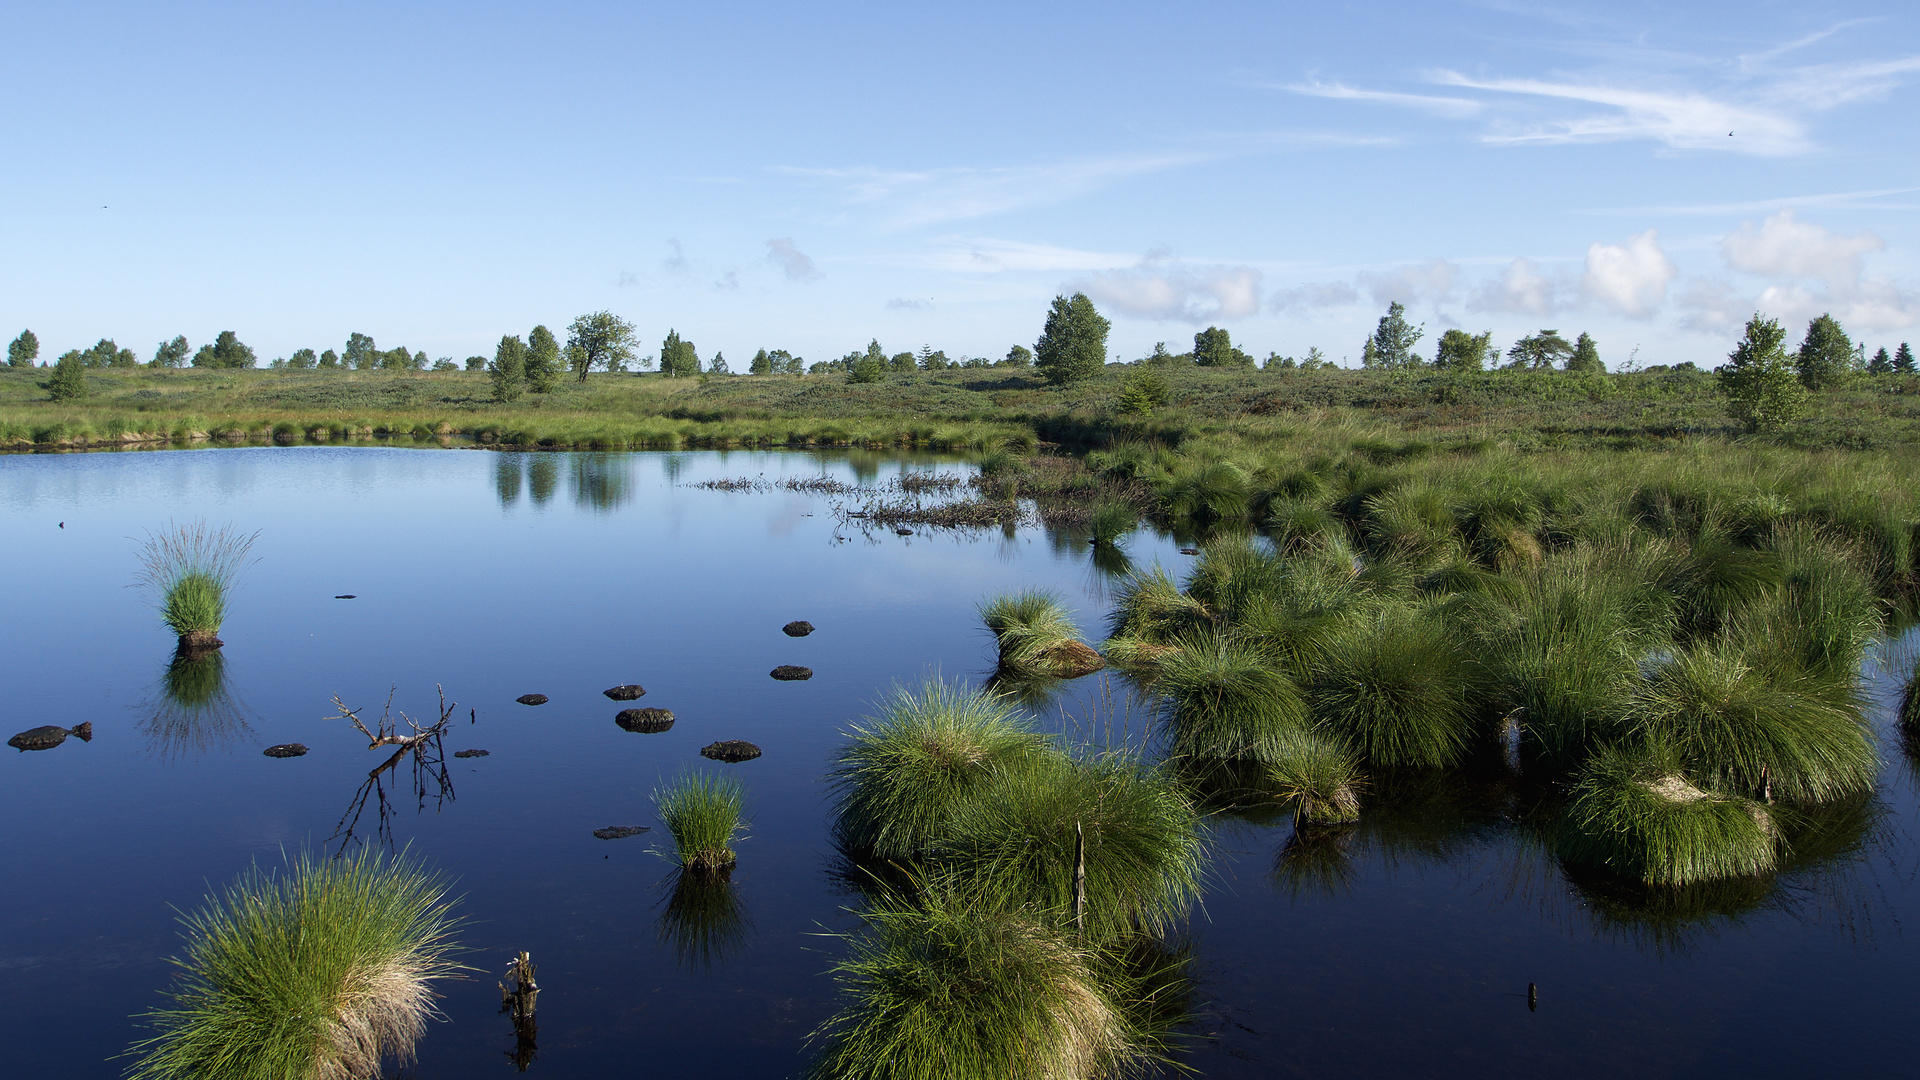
x: 507, y: 478
x: 424, y: 751
x: 543, y: 475
x: 194, y: 709
x: 702, y: 919
x: 601, y: 481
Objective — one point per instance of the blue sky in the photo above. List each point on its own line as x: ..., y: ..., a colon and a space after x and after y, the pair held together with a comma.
x: 809, y: 177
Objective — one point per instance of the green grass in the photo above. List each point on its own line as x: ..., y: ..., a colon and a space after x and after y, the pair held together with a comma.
x: 1032, y: 630
x: 323, y: 970
x: 897, y: 783
x: 1396, y: 689
x: 1750, y: 731
x: 1634, y: 816
x: 187, y: 571
x: 702, y: 812
x: 1111, y: 520
x: 1144, y: 856
x: 1316, y: 779
x: 947, y: 982
x: 1226, y: 700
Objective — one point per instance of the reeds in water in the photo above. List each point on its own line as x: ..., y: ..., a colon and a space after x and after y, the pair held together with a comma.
x: 897, y: 783
x: 1635, y: 816
x: 187, y: 572
x: 322, y: 971
x: 702, y: 812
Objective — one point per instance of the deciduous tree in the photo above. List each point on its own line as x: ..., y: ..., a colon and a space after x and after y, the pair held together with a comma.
x: 600, y: 340
x: 227, y: 351
x: 1073, y: 344
x: 69, y: 380
x: 1018, y: 356
x: 1391, y: 345
x: 330, y: 360
x: 1458, y: 350
x: 359, y: 354
x: 303, y: 360
x: 1760, y: 382
x: 678, y: 357
x: 171, y: 354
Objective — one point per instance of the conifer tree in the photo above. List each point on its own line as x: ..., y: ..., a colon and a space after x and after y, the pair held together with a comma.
x: 508, y: 372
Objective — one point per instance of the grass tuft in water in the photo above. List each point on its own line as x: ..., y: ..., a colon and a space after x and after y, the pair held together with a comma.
x: 951, y: 983
x: 322, y: 971
x: 1111, y: 520
x: 1034, y: 632
x: 1226, y: 700
x: 1634, y: 816
x: 702, y: 813
x: 1018, y: 837
x: 1395, y: 689
x: 1762, y: 734
x: 897, y: 783
x: 187, y: 571
x: 1316, y: 778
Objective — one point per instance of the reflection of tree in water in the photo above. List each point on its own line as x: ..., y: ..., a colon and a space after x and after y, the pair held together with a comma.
x: 601, y: 481
x: 866, y: 465
x: 422, y: 748
x: 194, y: 709
x: 507, y: 478
x: 543, y: 476
x: 702, y: 919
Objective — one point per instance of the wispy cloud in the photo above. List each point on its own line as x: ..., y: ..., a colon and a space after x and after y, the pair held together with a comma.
x: 1832, y: 199
x: 901, y: 303
x: 1456, y: 108
x: 796, y: 264
x: 907, y: 199
x: 992, y: 255
x: 1686, y: 120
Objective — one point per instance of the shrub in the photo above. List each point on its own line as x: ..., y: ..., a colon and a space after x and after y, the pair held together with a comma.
x: 897, y: 784
x: 321, y: 971
x: 702, y: 813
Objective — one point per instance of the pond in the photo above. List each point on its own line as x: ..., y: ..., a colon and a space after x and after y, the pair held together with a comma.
x: 496, y: 574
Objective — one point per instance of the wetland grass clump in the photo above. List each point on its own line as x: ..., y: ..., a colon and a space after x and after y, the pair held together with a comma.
x: 1133, y: 824
x: 1036, y: 636
x: 187, y: 572
x: 1110, y: 521
x: 1395, y: 689
x: 323, y: 971
x: 1227, y: 701
x: 1635, y: 816
x: 1763, y: 733
x: 952, y: 983
x: 702, y: 813
x: 1316, y: 778
x: 897, y: 783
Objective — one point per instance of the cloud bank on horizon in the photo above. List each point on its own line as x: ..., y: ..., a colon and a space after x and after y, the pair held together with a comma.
x: 812, y: 180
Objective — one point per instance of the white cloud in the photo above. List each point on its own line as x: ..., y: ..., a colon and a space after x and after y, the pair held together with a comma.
x: 676, y: 263
x: 1631, y: 279
x: 1522, y: 290
x: 1784, y: 246
x: 796, y: 264
x: 901, y: 303
x: 1313, y: 295
x: 1806, y: 270
x: 1686, y: 120
x: 1453, y: 108
x: 1429, y: 281
x: 924, y: 197
x: 1156, y: 289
